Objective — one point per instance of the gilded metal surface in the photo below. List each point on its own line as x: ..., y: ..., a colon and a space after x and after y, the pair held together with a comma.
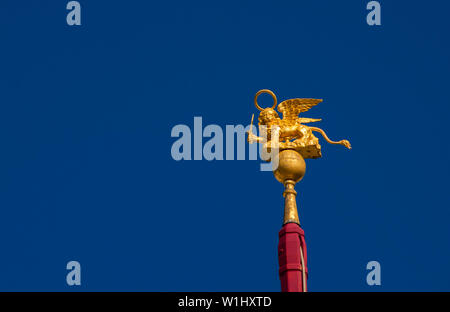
x: 296, y: 142
x: 291, y: 166
x: 291, y: 169
x: 290, y: 204
x: 293, y: 134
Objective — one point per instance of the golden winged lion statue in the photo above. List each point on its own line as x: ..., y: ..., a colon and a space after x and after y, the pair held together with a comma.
x: 290, y: 130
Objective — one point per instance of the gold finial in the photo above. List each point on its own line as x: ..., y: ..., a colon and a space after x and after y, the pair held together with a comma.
x: 295, y: 142
x: 291, y: 169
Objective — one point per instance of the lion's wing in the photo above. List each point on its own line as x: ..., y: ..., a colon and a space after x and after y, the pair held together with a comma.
x: 293, y: 107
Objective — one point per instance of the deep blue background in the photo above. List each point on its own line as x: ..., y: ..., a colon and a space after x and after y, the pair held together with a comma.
x: 86, y: 172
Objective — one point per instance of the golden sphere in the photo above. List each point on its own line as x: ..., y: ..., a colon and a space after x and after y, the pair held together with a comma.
x: 291, y: 166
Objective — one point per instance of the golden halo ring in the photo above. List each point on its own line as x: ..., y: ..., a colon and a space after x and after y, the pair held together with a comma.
x: 265, y: 91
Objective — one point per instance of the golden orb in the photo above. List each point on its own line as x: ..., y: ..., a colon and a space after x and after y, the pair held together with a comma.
x: 291, y: 166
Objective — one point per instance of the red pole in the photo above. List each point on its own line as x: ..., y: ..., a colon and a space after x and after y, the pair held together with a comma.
x: 291, y: 249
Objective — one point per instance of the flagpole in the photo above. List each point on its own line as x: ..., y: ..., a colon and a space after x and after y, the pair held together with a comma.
x: 289, y: 141
x: 292, y: 261
x: 292, y: 255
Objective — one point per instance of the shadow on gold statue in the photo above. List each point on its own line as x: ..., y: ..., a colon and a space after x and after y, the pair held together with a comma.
x: 293, y: 134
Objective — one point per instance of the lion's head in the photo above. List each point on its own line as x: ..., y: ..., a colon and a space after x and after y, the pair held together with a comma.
x: 268, y: 116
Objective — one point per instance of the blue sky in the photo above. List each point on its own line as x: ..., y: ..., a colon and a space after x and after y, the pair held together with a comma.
x: 86, y: 172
